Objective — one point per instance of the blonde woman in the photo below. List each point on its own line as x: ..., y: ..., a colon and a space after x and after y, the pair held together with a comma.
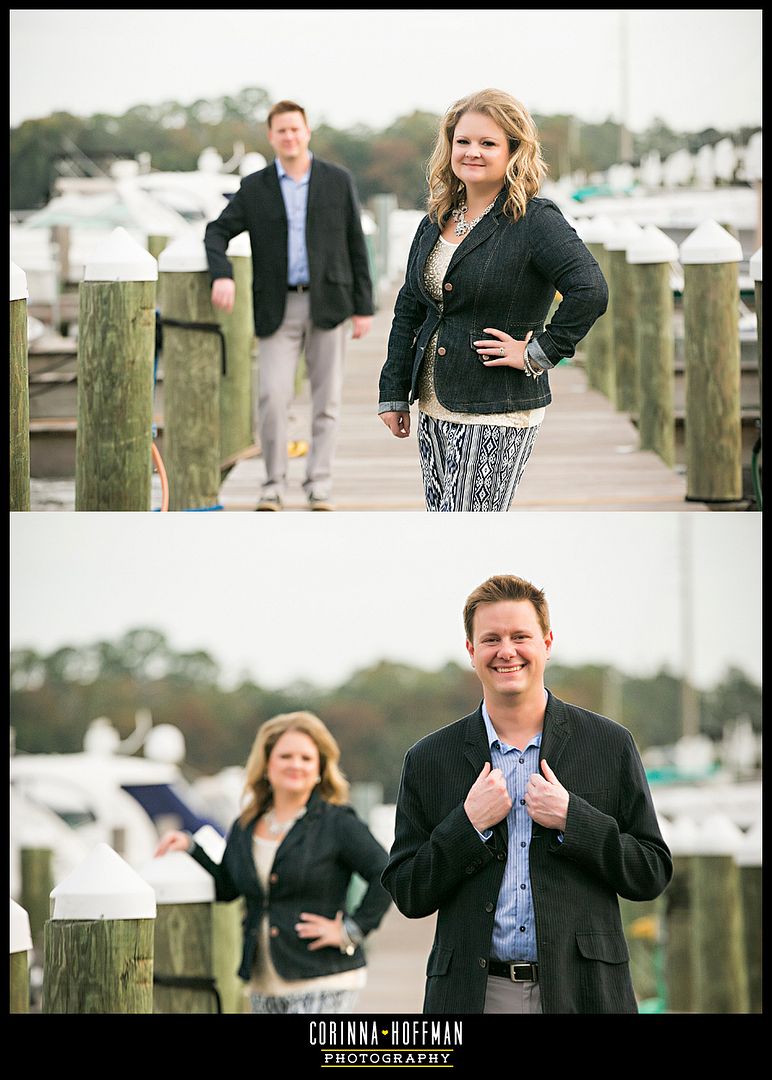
x: 291, y: 854
x: 468, y: 339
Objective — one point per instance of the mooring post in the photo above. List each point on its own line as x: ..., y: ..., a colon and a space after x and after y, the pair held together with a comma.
x: 21, y: 946
x: 709, y: 256
x: 99, y: 939
x: 624, y: 314
x: 749, y: 862
x: 116, y: 348
x: 598, y: 346
x: 19, y: 393
x: 649, y: 258
x: 238, y: 326
x: 192, y: 363
x: 718, y: 953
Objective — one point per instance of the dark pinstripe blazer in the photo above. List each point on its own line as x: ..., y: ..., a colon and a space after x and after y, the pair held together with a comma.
x: 612, y: 847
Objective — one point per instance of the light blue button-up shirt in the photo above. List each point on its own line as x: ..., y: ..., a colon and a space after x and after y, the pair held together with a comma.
x: 514, y: 928
x: 295, y: 195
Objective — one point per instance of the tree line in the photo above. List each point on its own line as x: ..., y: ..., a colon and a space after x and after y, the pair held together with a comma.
x: 389, y: 160
x: 375, y: 714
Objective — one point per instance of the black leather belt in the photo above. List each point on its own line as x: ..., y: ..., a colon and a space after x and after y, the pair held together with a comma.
x: 517, y: 971
x: 298, y: 288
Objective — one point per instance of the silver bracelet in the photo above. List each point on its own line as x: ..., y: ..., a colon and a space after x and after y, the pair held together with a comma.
x: 531, y: 372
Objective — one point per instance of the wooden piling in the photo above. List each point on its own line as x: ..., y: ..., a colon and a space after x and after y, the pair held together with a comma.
x: 718, y: 956
x: 678, y: 955
x: 649, y: 259
x: 712, y: 353
x: 156, y: 244
x: 21, y: 944
x: 598, y: 345
x: 197, y: 941
x: 36, y: 884
x: 19, y: 393
x: 116, y: 348
x: 749, y: 860
x: 192, y: 360
x: 236, y: 394
x: 98, y: 954
x: 624, y: 316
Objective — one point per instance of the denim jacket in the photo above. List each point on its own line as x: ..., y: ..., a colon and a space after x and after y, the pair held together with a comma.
x: 503, y: 275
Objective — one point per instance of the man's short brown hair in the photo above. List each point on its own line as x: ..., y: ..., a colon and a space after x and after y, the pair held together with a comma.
x: 285, y: 107
x: 505, y: 587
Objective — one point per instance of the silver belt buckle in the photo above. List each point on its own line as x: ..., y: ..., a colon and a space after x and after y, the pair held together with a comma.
x: 513, y: 972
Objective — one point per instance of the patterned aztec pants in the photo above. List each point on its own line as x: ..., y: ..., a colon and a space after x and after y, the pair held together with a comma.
x: 317, y: 1001
x: 472, y: 466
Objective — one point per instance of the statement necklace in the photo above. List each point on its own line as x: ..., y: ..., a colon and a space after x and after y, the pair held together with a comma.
x: 278, y: 828
x: 462, y: 225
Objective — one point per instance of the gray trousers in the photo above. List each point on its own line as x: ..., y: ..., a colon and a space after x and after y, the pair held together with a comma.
x: 278, y: 358
x: 505, y: 996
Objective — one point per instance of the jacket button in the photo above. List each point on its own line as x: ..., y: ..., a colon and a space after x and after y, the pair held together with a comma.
x: 448, y: 287
x: 274, y: 931
x: 274, y: 878
x: 501, y: 856
x: 489, y: 906
x: 441, y: 351
x: 482, y: 962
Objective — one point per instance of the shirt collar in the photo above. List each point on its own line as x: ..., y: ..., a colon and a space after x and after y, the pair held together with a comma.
x: 490, y: 730
x: 283, y: 172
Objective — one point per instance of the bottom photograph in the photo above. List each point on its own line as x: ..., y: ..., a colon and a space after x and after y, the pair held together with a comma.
x: 387, y: 774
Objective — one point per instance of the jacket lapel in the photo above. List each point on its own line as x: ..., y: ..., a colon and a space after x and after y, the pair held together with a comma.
x: 557, y: 732
x: 428, y: 240
x: 299, y: 829
x: 477, y: 752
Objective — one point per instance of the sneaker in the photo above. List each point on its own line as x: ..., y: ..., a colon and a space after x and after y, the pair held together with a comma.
x: 316, y: 502
x: 269, y: 502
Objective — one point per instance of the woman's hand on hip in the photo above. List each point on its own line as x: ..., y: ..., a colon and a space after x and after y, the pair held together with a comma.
x: 505, y: 351
x: 322, y: 932
x: 398, y: 423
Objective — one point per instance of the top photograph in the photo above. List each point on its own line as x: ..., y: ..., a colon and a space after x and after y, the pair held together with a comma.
x: 384, y: 279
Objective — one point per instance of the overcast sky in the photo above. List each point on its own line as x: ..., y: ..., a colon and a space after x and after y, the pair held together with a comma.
x: 316, y: 597
x: 695, y: 68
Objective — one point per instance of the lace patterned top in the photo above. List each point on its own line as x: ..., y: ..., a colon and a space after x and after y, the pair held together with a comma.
x: 265, y: 978
x: 434, y: 275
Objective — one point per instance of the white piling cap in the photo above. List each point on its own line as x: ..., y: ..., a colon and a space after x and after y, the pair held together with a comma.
x: 718, y: 835
x: 652, y: 246
x: 103, y: 887
x: 239, y: 245
x: 755, y: 265
x: 121, y: 258
x: 185, y: 255
x: 211, y: 841
x: 710, y: 243
x: 749, y: 852
x: 21, y: 938
x: 682, y: 836
x: 178, y: 879
x: 19, y: 290
x: 595, y: 230
x: 625, y: 234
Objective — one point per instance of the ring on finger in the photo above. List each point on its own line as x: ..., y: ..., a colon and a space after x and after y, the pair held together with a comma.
x: 501, y: 351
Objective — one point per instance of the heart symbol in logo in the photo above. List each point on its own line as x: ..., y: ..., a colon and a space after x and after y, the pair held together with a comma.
x: 384, y: 1031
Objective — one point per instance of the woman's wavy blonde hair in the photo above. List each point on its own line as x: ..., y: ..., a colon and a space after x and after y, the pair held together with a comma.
x: 525, y: 169
x: 258, y: 796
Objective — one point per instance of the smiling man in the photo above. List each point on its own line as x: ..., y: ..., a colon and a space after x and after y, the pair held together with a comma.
x: 520, y: 825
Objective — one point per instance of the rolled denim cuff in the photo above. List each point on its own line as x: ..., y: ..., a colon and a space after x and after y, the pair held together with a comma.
x: 393, y: 406
x: 537, y: 356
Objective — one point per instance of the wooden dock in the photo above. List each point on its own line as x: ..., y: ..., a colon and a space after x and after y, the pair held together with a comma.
x: 586, y: 456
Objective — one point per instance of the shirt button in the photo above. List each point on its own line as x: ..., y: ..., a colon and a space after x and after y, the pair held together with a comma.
x: 522, y: 761
x: 448, y: 287
x: 522, y: 929
x: 441, y: 351
x: 522, y: 843
x: 522, y: 802
x: 522, y: 886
